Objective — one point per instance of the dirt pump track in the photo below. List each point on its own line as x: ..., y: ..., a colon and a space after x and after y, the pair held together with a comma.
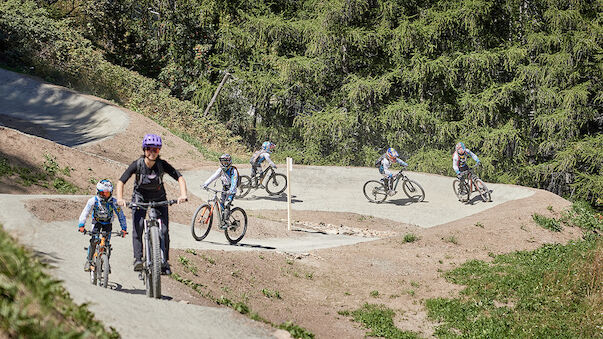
x: 341, y: 250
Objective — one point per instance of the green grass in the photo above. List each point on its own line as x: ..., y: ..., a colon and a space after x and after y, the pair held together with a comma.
x: 410, y: 237
x: 549, y: 223
x: 552, y: 292
x: 35, y: 305
x: 49, y: 175
x: 380, y: 320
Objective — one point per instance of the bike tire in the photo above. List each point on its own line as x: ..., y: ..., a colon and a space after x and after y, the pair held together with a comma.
x: 155, y: 269
x: 276, y: 184
x: 456, y: 188
x: 483, y: 190
x: 201, y: 223
x: 236, y: 225
x: 413, y: 190
x: 93, y: 271
x: 375, y: 191
x: 244, y: 186
x: 104, y: 270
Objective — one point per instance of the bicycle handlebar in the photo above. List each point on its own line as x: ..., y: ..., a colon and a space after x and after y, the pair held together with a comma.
x: 151, y: 204
x: 86, y: 232
x: 213, y: 190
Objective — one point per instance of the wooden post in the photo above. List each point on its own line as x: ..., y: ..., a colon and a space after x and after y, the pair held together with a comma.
x: 213, y: 99
x: 289, y: 169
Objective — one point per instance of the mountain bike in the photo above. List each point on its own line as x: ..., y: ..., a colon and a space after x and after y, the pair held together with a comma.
x: 100, y: 267
x: 377, y: 191
x: 274, y: 183
x: 472, y: 183
x: 234, y: 225
x: 152, y: 243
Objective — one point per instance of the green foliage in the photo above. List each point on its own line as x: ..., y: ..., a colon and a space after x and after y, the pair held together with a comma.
x: 548, y: 223
x: 271, y: 293
x: 379, y: 319
x: 35, y: 305
x: 582, y: 215
x: 337, y: 82
x: 410, y: 237
x: 296, y: 331
x: 554, y: 291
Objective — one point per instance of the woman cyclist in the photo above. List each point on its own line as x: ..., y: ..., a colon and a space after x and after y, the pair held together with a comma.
x: 149, y: 170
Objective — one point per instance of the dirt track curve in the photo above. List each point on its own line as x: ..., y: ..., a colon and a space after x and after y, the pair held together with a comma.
x: 71, y: 119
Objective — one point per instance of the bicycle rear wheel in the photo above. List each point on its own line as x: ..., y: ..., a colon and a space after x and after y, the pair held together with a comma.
x: 483, y: 190
x: 104, y: 270
x: 375, y: 191
x: 202, y: 221
x: 236, y: 226
x: 276, y: 184
x: 155, y: 269
x: 413, y: 190
x: 244, y: 186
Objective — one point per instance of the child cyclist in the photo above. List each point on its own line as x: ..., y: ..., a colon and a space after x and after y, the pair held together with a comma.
x: 384, y: 163
x: 230, y: 178
x: 258, y: 157
x: 102, y: 206
x: 459, y: 161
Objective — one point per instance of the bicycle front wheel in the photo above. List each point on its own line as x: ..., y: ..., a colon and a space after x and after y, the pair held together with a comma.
x: 483, y: 190
x: 375, y: 191
x: 104, y: 270
x: 413, y: 190
x: 202, y: 221
x: 276, y: 184
x: 155, y: 269
x: 244, y: 186
x: 460, y: 190
x: 236, y: 225
x: 94, y: 270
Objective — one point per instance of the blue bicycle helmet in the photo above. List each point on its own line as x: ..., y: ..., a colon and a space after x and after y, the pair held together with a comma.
x: 151, y: 140
x: 104, y: 189
x: 392, y: 153
x: 268, y: 146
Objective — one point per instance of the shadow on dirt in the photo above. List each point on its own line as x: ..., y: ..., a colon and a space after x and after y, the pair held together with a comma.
x: 277, y: 198
x: 47, y: 258
x: 242, y: 245
x: 119, y: 288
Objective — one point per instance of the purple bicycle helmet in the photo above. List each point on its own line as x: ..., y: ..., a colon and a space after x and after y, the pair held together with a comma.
x: 151, y: 140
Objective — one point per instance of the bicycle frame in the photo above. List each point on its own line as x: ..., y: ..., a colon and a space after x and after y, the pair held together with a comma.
x: 214, y: 202
x: 102, y: 245
x: 264, y: 174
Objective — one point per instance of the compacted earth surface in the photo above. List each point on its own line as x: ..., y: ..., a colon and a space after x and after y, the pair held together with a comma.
x: 391, y: 263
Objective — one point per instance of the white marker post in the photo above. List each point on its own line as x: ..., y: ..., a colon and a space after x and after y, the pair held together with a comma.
x: 289, y: 170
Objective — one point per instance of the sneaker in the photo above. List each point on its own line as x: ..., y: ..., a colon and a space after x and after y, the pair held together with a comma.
x: 223, y: 225
x: 137, y: 265
x: 165, y: 269
x: 87, y: 266
x: 391, y: 192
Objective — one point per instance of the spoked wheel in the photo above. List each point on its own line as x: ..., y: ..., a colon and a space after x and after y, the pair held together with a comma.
x: 155, y: 269
x: 483, y: 190
x: 276, y: 184
x: 244, y: 186
x: 236, y: 226
x: 375, y: 191
x: 202, y: 221
x: 104, y: 270
x: 413, y: 190
x: 461, y: 191
x: 95, y: 267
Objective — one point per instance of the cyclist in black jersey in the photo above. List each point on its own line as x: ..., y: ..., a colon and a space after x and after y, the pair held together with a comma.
x: 149, y: 170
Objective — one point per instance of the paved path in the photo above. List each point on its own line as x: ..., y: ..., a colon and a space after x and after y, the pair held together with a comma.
x: 56, y: 113
x: 125, y: 305
x: 339, y: 189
